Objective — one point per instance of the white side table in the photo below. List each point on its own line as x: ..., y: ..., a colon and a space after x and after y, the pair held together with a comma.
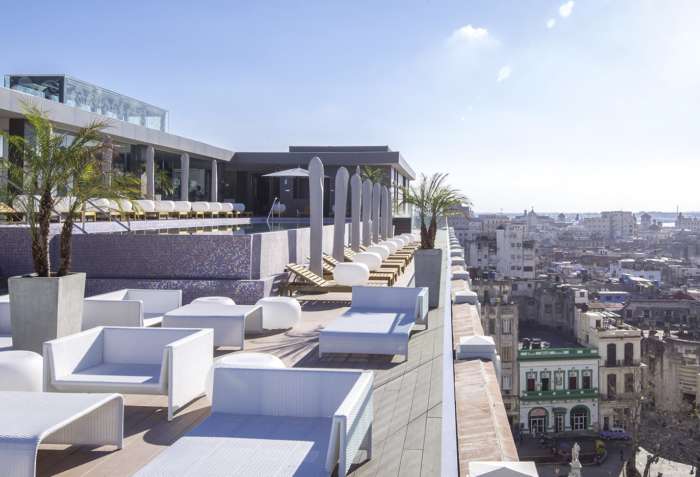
x: 250, y: 360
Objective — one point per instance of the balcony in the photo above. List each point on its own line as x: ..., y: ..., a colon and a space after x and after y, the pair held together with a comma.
x: 559, y: 394
x: 620, y: 363
x: 557, y: 353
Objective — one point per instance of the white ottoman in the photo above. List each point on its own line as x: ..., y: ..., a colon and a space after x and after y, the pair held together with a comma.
x: 250, y: 360
x: 351, y: 274
x: 21, y: 371
x: 371, y: 259
x: 380, y: 249
x: 222, y: 300
x: 279, y: 312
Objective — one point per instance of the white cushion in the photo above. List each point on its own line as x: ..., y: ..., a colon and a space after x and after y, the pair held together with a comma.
x: 371, y: 259
x: 215, y: 206
x: 238, y: 207
x: 227, y: 207
x: 145, y: 205
x: 223, y: 300
x: 351, y: 274
x: 182, y: 206
x: 379, y: 249
x: 250, y: 360
x: 126, y: 205
x: 97, y: 205
x: 201, y: 206
x: 165, y: 206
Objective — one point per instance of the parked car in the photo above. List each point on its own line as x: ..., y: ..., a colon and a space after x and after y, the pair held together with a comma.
x: 615, y: 433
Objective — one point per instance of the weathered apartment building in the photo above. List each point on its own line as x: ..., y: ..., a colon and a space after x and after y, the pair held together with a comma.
x: 672, y: 374
x: 612, y: 225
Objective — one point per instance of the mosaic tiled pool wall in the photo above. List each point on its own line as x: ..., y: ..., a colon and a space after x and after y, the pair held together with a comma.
x: 245, y: 267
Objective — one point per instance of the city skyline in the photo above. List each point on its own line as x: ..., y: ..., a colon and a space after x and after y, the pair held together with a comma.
x: 533, y: 104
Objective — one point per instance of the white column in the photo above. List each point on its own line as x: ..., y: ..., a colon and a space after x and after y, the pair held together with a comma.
x: 150, y: 173
x: 184, y: 176
x: 214, y: 182
x: 316, y: 213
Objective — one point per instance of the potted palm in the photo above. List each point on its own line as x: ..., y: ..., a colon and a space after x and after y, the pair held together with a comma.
x: 433, y: 199
x: 48, y: 303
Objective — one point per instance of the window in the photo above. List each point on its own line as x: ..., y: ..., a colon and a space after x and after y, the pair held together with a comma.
x: 531, y: 377
x: 611, y: 350
x: 629, y: 354
x: 573, y: 380
x: 514, y: 287
x: 548, y: 308
x: 629, y: 382
x: 579, y: 418
x: 506, y: 354
x: 300, y: 188
x: 506, y: 382
x: 612, y: 386
x: 586, y: 379
x: 545, y: 380
x: 506, y: 327
x: 492, y: 327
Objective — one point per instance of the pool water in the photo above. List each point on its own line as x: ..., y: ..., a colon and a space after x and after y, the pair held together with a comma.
x: 241, y: 229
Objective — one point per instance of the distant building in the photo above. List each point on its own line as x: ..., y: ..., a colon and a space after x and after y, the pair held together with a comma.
x: 612, y: 225
x: 517, y: 256
x: 559, y: 390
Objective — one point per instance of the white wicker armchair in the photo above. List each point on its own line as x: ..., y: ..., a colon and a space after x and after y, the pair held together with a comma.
x: 161, y: 361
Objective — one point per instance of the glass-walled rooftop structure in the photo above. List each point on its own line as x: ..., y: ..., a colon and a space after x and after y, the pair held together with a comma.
x: 89, y: 97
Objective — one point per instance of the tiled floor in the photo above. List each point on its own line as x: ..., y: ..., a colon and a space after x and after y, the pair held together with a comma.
x: 407, y: 398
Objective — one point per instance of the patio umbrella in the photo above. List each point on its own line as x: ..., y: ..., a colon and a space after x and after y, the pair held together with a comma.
x: 295, y: 172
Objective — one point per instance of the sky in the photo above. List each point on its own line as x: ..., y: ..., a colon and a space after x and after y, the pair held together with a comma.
x: 580, y: 105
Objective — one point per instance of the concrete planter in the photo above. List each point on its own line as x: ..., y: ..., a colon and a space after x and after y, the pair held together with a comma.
x: 428, y: 263
x: 45, y: 308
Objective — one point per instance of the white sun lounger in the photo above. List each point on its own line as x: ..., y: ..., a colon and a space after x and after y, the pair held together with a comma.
x: 276, y: 422
x: 160, y: 361
x: 379, y: 321
x: 28, y: 419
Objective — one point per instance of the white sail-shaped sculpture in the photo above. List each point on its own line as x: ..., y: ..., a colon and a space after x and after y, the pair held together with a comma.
x: 367, y: 213
x: 376, y: 215
x: 341, y: 205
x: 316, y: 216
x: 355, y: 210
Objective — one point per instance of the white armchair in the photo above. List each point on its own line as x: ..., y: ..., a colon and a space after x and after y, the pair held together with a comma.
x: 298, y: 421
x: 163, y: 361
x: 130, y: 307
x: 5, y: 323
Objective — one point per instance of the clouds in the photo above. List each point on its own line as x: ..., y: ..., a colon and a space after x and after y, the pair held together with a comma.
x: 504, y: 73
x: 566, y: 9
x: 550, y: 23
x: 469, y: 34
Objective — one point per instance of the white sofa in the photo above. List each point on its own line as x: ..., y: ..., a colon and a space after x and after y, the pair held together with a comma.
x: 163, y: 361
x: 272, y: 422
x: 5, y: 323
x: 130, y: 307
x: 379, y: 321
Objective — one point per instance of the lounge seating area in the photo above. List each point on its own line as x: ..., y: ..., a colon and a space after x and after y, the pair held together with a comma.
x: 285, y: 406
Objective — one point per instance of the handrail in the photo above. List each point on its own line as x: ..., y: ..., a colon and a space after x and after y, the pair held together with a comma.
x: 449, y: 462
x: 271, y: 212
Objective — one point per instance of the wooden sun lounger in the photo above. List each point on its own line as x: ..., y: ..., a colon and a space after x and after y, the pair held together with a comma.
x: 387, y: 274
x: 310, y: 282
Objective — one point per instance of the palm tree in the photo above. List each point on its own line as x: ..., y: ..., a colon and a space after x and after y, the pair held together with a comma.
x: 433, y: 198
x: 376, y: 175
x: 52, y: 162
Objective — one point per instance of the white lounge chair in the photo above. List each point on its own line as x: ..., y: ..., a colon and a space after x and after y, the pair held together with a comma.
x: 164, y: 361
x: 379, y: 321
x: 146, y: 208
x: 5, y: 323
x: 165, y: 208
x: 183, y: 209
x: 130, y: 307
x: 226, y: 209
x: 276, y: 422
x: 201, y: 209
x: 28, y: 419
x: 215, y: 208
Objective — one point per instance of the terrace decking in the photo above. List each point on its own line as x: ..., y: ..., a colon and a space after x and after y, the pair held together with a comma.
x: 407, y: 403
